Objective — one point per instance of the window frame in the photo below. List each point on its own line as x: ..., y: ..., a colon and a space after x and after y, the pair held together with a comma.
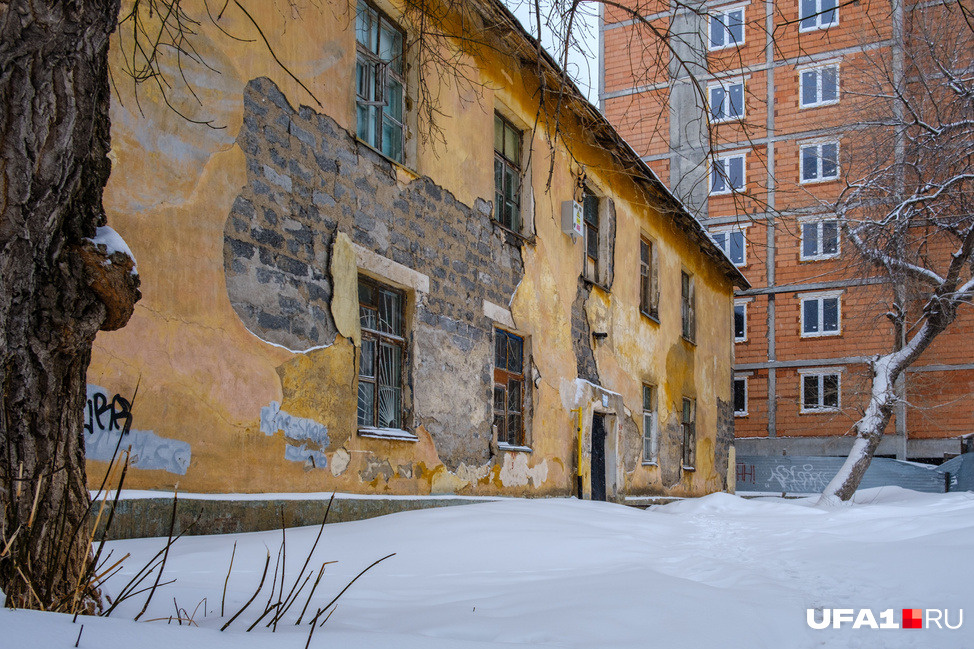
x: 649, y: 292
x: 727, y: 232
x: 721, y: 16
x: 821, y: 297
x: 650, y: 455
x: 374, y: 61
x: 593, y: 234
x: 381, y: 338
x: 503, y: 379
x: 819, y: 177
x: 746, y: 411
x: 820, y: 255
x: 723, y: 162
x: 819, y: 374
x: 688, y: 307
x: 508, y: 164
x: 819, y: 76
x: 742, y: 303
x: 817, y: 17
x: 726, y: 85
x: 688, y: 425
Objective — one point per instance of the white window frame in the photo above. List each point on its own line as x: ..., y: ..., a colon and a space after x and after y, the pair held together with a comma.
x: 741, y: 302
x: 725, y: 85
x: 721, y: 161
x: 820, y: 297
x: 818, y: 15
x: 817, y: 221
x: 817, y: 69
x: 820, y: 373
x: 726, y: 246
x: 817, y: 144
x: 745, y: 412
x: 651, y: 420
x: 722, y: 14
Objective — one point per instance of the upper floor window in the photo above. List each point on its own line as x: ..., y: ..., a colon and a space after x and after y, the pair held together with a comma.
x: 688, y: 423
x: 820, y: 161
x: 381, y: 366
x: 509, y: 388
x: 590, y: 216
x: 820, y: 391
x: 727, y: 174
x: 688, y: 306
x: 507, y: 174
x: 819, y: 86
x: 821, y: 314
x: 819, y: 239
x: 740, y: 396
x: 726, y: 101
x: 726, y: 28
x: 817, y: 14
x: 740, y: 321
x: 733, y: 243
x: 650, y: 426
x: 599, y: 218
x: 648, y: 278
x: 379, y: 81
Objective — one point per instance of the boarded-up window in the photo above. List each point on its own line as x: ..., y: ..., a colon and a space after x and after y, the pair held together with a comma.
x: 381, y: 367
x: 509, y: 388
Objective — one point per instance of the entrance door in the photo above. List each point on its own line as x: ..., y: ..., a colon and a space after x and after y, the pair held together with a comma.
x: 598, y: 456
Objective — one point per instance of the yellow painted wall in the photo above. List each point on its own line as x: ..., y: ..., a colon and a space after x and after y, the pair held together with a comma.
x: 203, y: 378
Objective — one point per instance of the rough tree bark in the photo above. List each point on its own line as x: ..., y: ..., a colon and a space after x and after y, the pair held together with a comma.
x: 58, y: 286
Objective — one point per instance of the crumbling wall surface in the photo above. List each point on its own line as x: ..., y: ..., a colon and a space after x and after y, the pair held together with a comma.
x: 308, y: 179
x: 582, y: 335
x: 725, y: 439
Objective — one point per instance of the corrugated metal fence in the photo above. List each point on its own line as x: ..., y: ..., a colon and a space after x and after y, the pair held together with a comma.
x: 810, y: 475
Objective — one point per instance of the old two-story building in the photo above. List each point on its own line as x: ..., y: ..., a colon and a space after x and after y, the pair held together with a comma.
x: 341, y: 294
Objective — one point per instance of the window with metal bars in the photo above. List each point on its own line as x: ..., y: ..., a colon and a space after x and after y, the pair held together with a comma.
x: 507, y: 174
x: 379, y: 81
x: 382, y: 362
x: 509, y: 388
x: 688, y: 421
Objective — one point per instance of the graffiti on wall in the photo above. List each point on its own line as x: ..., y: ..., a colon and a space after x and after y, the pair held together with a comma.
x: 312, y: 435
x: 106, y: 418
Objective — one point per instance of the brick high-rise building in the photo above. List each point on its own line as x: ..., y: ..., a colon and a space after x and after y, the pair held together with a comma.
x: 755, y: 114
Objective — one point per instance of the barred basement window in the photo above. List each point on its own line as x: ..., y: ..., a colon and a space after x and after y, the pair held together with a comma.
x: 507, y: 174
x: 381, y: 367
x: 650, y: 426
x: 379, y: 81
x: 689, y: 434
x: 509, y: 388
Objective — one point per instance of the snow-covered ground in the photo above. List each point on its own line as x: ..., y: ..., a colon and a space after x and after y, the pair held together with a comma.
x: 719, y: 571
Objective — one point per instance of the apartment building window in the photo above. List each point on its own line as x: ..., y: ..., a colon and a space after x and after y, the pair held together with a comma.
x: 650, y: 426
x: 819, y: 239
x: 821, y: 314
x: 381, y: 366
x: 648, y: 278
x: 689, y: 433
x: 688, y: 306
x: 599, y: 218
x: 590, y: 215
x: 817, y: 14
x: 507, y: 174
x: 740, y: 396
x: 733, y: 243
x: 379, y: 81
x: 726, y: 101
x: 820, y: 391
x: 726, y: 28
x: 819, y: 86
x: 820, y: 161
x: 740, y: 321
x: 509, y: 388
x: 727, y: 174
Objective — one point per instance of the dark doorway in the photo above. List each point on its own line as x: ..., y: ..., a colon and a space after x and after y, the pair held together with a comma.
x: 598, y: 456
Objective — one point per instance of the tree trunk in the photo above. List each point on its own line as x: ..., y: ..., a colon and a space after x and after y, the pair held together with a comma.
x: 58, y: 287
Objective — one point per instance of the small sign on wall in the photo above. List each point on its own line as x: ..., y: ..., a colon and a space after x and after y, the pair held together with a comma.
x: 571, y: 219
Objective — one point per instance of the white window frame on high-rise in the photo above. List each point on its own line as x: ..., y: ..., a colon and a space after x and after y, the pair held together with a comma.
x: 742, y: 379
x: 818, y: 224
x: 726, y: 87
x: 819, y: 298
x: 722, y: 19
x: 819, y: 177
x: 817, y: 14
x: 723, y: 162
x: 723, y: 236
x: 818, y: 375
x: 818, y: 71
x: 740, y: 304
